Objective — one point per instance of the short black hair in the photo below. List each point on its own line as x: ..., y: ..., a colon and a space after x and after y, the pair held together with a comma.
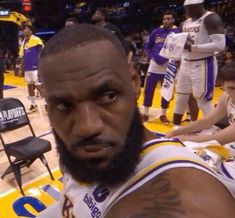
x: 80, y: 35
x: 172, y: 13
x: 104, y: 12
x: 227, y: 72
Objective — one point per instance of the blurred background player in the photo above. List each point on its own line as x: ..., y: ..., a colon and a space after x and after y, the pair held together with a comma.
x: 158, y: 64
x: 30, y: 52
x: 198, y: 69
x: 70, y: 21
x: 100, y: 19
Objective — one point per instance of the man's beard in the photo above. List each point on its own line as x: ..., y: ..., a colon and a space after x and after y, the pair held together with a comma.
x: 120, y: 168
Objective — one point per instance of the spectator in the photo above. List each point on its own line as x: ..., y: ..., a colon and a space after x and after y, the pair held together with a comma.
x: 100, y: 19
x: 70, y: 21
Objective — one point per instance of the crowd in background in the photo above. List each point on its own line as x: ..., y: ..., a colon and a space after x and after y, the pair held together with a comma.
x: 136, y: 23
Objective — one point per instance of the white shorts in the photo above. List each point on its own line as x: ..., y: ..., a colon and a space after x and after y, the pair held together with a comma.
x: 197, y: 78
x: 32, y: 77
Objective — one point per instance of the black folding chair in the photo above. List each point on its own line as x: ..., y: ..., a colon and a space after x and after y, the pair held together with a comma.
x: 25, y: 151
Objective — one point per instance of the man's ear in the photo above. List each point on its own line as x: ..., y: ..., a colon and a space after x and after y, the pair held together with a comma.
x: 135, y: 79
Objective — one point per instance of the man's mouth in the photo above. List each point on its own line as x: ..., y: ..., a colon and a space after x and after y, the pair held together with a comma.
x: 93, y: 151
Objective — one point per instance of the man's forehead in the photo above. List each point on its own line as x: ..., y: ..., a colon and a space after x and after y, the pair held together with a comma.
x: 88, y: 59
x: 168, y: 16
x: 100, y: 47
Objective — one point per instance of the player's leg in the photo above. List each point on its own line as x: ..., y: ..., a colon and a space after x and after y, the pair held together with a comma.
x: 149, y: 89
x: 29, y: 77
x: 203, y: 81
x: 164, y: 106
x: 193, y: 108
x: 40, y: 89
x: 183, y: 92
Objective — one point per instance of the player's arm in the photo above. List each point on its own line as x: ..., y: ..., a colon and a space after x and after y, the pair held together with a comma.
x: 179, y: 192
x: 150, y: 44
x: 215, y: 29
x: 223, y: 136
x: 206, y: 122
x: 214, y: 24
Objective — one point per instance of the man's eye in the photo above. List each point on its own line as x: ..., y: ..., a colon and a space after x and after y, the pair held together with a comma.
x: 65, y: 106
x: 107, y: 97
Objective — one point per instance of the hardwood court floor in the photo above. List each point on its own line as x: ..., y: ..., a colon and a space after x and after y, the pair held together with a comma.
x: 41, y: 126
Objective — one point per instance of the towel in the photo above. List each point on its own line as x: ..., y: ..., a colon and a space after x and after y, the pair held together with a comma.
x: 174, y: 45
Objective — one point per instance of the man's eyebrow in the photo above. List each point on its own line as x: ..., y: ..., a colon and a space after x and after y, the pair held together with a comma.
x: 56, y: 97
x: 104, y: 86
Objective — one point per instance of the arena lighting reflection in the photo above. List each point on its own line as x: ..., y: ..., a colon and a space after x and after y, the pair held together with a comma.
x: 45, y: 33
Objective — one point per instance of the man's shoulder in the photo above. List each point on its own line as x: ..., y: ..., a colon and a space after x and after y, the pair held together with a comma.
x: 181, y: 192
x: 174, y: 29
x: 156, y: 30
x: 35, y: 39
x: 111, y: 26
x: 210, y: 15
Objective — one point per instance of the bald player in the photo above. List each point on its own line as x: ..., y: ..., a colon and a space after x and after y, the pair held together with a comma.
x: 113, y: 166
x: 198, y: 68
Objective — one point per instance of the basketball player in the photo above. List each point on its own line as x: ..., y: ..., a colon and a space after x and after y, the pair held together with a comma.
x: 30, y: 52
x: 198, y: 69
x: 224, y: 108
x: 113, y: 166
x: 158, y: 64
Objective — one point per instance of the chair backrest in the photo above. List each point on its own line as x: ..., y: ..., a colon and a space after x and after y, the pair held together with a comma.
x: 12, y: 114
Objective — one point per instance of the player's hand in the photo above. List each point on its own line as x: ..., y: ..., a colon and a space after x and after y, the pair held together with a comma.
x: 170, y: 134
x: 177, y: 63
x: 189, y: 43
x: 188, y: 47
x: 189, y: 137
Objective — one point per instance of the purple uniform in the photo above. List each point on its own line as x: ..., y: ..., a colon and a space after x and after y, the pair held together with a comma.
x: 156, y: 41
x: 158, y: 64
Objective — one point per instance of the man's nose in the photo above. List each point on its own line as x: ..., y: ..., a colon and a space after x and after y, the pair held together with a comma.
x: 87, y: 121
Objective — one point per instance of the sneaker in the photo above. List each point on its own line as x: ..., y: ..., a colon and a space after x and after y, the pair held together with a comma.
x: 144, y: 117
x: 33, y: 108
x: 164, y: 119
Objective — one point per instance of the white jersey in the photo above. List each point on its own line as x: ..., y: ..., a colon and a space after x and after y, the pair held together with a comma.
x: 230, y: 110
x: 87, y: 201
x: 199, y: 34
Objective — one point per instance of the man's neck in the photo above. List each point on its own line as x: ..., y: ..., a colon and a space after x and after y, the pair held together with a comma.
x: 201, y: 13
x: 28, y: 37
x: 101, y: 23
x: 168, y: 27
x: 148, y: 135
